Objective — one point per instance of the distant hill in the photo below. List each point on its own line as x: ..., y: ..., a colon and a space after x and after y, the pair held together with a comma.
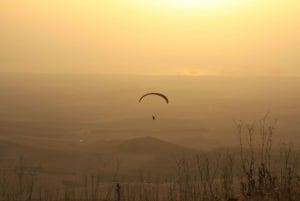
x: 151, y: 145
x: 150, y: 156
x: 147, y: 154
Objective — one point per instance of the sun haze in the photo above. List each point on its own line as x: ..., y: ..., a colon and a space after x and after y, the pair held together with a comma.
x: 199, y: 5
x: 190, y: 37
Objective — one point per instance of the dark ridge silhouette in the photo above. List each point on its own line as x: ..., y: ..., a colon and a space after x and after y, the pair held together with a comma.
x: 151, y: 145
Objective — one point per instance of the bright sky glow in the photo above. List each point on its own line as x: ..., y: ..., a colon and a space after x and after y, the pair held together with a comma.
x: 203, y: 6
x: 190, y: 3
x: 194, y: 2
x: 190, y: 37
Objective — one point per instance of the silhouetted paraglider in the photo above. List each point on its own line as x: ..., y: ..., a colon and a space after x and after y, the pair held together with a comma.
x: 155, y: 94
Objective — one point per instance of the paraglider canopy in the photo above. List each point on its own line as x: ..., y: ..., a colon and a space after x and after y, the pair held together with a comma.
x: 155, y: 94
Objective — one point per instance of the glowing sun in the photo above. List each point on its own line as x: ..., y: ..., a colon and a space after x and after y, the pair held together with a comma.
x: 193, y: 2
x: 207, y: 5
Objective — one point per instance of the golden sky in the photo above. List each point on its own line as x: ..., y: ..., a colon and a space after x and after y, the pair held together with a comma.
x: 191, y: 37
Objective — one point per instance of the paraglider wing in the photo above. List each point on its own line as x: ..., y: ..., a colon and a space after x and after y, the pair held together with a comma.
x: 156, y: 94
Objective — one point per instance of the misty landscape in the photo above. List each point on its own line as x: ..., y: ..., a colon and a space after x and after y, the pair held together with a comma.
x: 149, y: 100
x: 67, y: 127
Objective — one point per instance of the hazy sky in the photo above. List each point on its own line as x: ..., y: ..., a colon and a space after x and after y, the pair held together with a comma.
x: 204, y: 37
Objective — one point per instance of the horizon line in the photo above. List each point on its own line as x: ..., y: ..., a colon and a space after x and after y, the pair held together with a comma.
x: 144, y: 74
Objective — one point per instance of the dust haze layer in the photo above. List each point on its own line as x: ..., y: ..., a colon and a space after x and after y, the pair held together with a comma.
x: 107, y: 107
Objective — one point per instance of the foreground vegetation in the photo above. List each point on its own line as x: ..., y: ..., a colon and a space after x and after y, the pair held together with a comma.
x: 254, y: 172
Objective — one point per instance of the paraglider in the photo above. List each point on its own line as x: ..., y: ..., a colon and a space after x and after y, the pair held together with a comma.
x: 155, y: 94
